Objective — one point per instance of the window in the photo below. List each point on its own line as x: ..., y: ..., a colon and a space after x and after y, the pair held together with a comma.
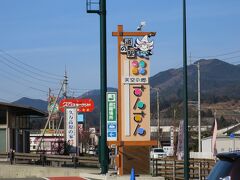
x: 3, y: 140
x: 3, y: 117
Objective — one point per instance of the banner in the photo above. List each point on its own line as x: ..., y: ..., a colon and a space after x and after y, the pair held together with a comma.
x: 214, y: 138
x: 180, y: 145
x: 71, y: 128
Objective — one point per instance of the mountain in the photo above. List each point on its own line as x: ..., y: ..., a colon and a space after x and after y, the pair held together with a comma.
x: 92, y: 117
x: 35, y: 103
x: 219, y: 81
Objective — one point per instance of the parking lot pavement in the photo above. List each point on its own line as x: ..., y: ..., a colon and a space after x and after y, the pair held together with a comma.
x: 50, y: 178
x: 23, y: 178
x: 66, y: 178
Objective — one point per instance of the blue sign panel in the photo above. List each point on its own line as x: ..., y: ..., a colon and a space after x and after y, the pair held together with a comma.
x: 232, y: 135
x: 112, y: 134
x: 112, y: 126
x: 80, y: 118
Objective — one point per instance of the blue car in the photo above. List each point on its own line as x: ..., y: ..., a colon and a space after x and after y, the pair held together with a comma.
x: 227, y: 167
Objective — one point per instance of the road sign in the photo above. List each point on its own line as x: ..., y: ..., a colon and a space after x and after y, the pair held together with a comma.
x: 112, y: 134
x: 83, y: 105
x: 111, y: 116
x: 232, y: 135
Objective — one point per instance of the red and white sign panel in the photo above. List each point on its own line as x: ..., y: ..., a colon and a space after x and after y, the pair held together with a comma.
x: 83, y: 105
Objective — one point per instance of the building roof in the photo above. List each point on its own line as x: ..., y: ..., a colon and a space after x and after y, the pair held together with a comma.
x: 220, y: 137
x: 234, y: 129
x: 21, y: 110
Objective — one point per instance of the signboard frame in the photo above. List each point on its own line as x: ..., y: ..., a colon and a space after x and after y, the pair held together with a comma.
x: 112, y: 117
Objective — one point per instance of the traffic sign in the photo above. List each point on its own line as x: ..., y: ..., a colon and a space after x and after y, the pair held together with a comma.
x: 112, y: 126
x: 232, y: 135
x: 111, y: 116
x: 112, y: 134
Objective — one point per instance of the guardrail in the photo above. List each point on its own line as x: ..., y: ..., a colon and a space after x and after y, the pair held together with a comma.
x: 49, y: 159
x: 4, y: 155
x: 174, y: 169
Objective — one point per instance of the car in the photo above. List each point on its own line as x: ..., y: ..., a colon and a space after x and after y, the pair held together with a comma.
x: 168, y: 150
x: 227, y: 167
x: 157, y: 153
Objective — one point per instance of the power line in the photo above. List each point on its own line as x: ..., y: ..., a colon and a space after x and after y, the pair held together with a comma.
x: 6, y: 75
x: 217, y: 55
x: 26, y: 74
x: 231, y: 57
x: 39, y: 70
x: 3, y: 75
x: 27, y: 69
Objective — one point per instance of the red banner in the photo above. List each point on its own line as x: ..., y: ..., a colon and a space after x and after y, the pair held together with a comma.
x: 83, y: 105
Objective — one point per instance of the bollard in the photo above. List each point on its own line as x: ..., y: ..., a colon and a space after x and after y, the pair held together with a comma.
x: 132, y: 177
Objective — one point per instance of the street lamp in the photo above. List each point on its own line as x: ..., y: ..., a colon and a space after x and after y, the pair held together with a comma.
x: 101, y: 10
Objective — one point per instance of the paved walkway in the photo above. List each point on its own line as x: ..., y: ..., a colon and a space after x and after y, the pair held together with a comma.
x: 27, y: 172
x: 65, y: 178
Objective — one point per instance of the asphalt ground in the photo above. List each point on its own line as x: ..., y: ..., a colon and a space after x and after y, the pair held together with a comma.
x: 50, y: 178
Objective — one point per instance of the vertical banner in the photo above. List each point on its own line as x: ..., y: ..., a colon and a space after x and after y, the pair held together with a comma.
x: 111, y: 116
x: 71, y: 128
x: 180, y: 145
x: 135, y: 89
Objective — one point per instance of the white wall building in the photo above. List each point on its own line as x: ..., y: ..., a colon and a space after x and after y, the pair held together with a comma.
x: 223, y: 144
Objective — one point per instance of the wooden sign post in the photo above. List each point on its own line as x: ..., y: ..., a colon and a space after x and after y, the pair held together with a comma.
x: 133, y: 141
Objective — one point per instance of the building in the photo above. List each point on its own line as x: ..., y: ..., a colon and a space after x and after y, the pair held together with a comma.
x: 228, y: 139
x: 223, y: 144
x: 15, y: 126
x: 51, y: 143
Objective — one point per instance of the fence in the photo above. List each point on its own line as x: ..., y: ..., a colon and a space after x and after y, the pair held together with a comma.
x: 173, y: 169
x: 48, y: 159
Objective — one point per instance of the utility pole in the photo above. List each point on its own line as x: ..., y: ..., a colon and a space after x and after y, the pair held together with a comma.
x: 158, y: 116
x: 185, y: 90
x: 199, y: 110
x: 65, y: 83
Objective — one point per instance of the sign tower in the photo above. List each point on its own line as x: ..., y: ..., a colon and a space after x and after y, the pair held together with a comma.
x: 133, y: 124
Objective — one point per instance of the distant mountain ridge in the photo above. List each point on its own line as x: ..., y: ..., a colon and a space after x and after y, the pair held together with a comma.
x: 35, y: 103
x: 220, y: 81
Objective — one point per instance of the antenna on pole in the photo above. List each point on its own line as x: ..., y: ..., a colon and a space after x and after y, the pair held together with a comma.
x: 65, y: 83
x: 190, y: 58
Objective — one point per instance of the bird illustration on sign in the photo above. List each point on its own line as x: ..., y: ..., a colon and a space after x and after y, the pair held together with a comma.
x: 144, y: 47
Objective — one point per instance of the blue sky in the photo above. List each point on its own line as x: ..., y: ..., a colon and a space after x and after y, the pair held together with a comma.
x: 45, y: 36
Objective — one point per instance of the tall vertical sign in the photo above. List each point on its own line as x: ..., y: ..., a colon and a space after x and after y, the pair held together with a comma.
x: 111, y: 116
x: 135, y: 55
x: 71, y: 126
x: 134, y: 51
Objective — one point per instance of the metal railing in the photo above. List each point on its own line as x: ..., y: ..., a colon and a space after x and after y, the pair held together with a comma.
x: 49, y: 159
x: 174, y: 169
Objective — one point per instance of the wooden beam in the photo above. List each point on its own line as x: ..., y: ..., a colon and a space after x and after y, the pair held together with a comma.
x: 133, y: 143
x: 133, y: 33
